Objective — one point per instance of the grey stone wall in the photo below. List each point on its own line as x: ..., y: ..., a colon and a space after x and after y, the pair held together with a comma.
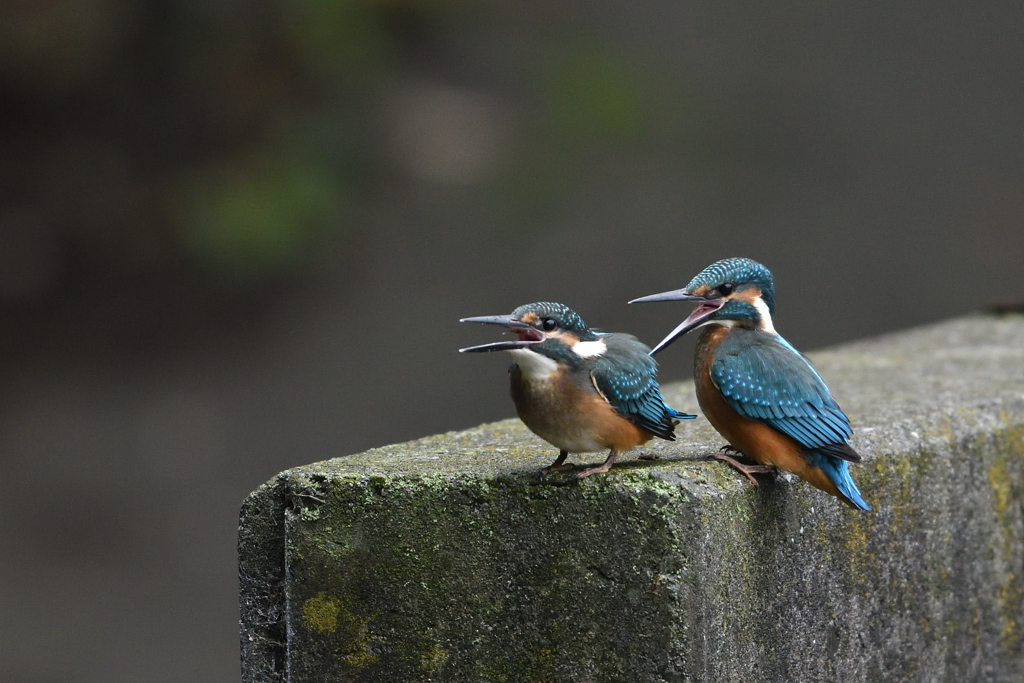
x: 449, y: 559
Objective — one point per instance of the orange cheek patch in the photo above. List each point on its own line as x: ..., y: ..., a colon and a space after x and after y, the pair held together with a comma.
x: 566, y: 338
x: 749, y: 295
x: 529, y: 318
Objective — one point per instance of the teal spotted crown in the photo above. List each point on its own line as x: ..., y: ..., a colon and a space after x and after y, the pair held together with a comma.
x: 740, y: 272
x: 565, y: 317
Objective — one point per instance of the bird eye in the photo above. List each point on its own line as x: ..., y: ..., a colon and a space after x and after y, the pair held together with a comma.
x: 726, y: 289
x: 548, y: 324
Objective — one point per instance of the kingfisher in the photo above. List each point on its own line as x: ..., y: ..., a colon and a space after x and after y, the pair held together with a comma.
x: 581, y: 390
x: 755, y: 388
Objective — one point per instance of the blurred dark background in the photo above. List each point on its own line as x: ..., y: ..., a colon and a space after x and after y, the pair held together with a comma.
x: 235, y: 237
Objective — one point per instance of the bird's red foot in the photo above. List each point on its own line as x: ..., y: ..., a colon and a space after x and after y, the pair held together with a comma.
x: 559, y: 465
x: 600, y: 469
x: 747, y: 470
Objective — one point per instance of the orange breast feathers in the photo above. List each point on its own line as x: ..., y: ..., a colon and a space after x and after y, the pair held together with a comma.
x: 573, y: 417
x: 615, y: 431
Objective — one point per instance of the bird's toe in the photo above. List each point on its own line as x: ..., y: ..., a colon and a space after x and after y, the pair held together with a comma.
x: 600, y: 469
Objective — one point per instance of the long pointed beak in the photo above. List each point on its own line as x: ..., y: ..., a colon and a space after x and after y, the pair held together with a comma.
x: 498, y: 346
x: 533, y: 336
x: 503, y: 320
x: 674, y: 295
x: 695, y: 319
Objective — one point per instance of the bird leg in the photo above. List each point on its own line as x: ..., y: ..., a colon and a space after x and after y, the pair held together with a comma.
x: 746, y: 469
x: 600, y: 469
x: 558, y: 465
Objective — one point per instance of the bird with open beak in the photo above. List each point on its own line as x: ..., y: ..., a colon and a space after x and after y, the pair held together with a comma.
x: 581, y: 391
x: 758, y: 391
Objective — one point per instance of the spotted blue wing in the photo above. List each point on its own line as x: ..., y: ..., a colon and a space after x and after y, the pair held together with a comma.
x: 763, y: 378
x: 627, y: 377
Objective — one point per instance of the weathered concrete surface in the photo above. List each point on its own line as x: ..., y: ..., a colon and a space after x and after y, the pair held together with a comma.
x: 447, y: 559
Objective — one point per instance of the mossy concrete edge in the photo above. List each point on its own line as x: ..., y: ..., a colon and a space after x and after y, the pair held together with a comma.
x: 927, y: 587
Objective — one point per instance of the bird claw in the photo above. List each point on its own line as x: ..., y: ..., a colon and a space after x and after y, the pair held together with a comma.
x: 600, y: 469
x: 748, y: 471
x: 559, y: 465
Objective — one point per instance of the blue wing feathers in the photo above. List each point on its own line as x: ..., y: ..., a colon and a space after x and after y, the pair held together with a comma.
x: 626, y: 376
x: 764, y: 378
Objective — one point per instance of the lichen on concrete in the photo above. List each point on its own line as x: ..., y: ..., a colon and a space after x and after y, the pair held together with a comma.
x: 450, y: 559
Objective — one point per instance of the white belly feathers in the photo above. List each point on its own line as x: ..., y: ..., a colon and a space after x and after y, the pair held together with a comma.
x: 534, y: 366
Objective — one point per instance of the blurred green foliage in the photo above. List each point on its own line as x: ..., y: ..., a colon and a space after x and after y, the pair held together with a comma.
x: 593, y: 104
x: 260, y: 219
x: 255, y: 135
x: 346, y: 39
x: 593, y: 96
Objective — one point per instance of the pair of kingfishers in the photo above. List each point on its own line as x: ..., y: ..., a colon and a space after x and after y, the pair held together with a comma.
x: 584, y: 391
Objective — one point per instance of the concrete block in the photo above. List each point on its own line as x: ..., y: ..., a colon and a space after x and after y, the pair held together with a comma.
x: 449, y: 559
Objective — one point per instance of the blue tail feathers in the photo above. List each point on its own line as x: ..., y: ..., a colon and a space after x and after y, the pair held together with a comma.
x: 839, y: 472
x: 676, y: 415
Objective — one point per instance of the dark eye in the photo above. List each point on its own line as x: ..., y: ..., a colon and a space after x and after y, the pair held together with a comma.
x: 726, y: 289
x: 548, y: 324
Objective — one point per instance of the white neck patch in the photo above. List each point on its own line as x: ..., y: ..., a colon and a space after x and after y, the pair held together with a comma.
x: 534, y: 366
x: 590, y: 349
x: 766, y: 316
